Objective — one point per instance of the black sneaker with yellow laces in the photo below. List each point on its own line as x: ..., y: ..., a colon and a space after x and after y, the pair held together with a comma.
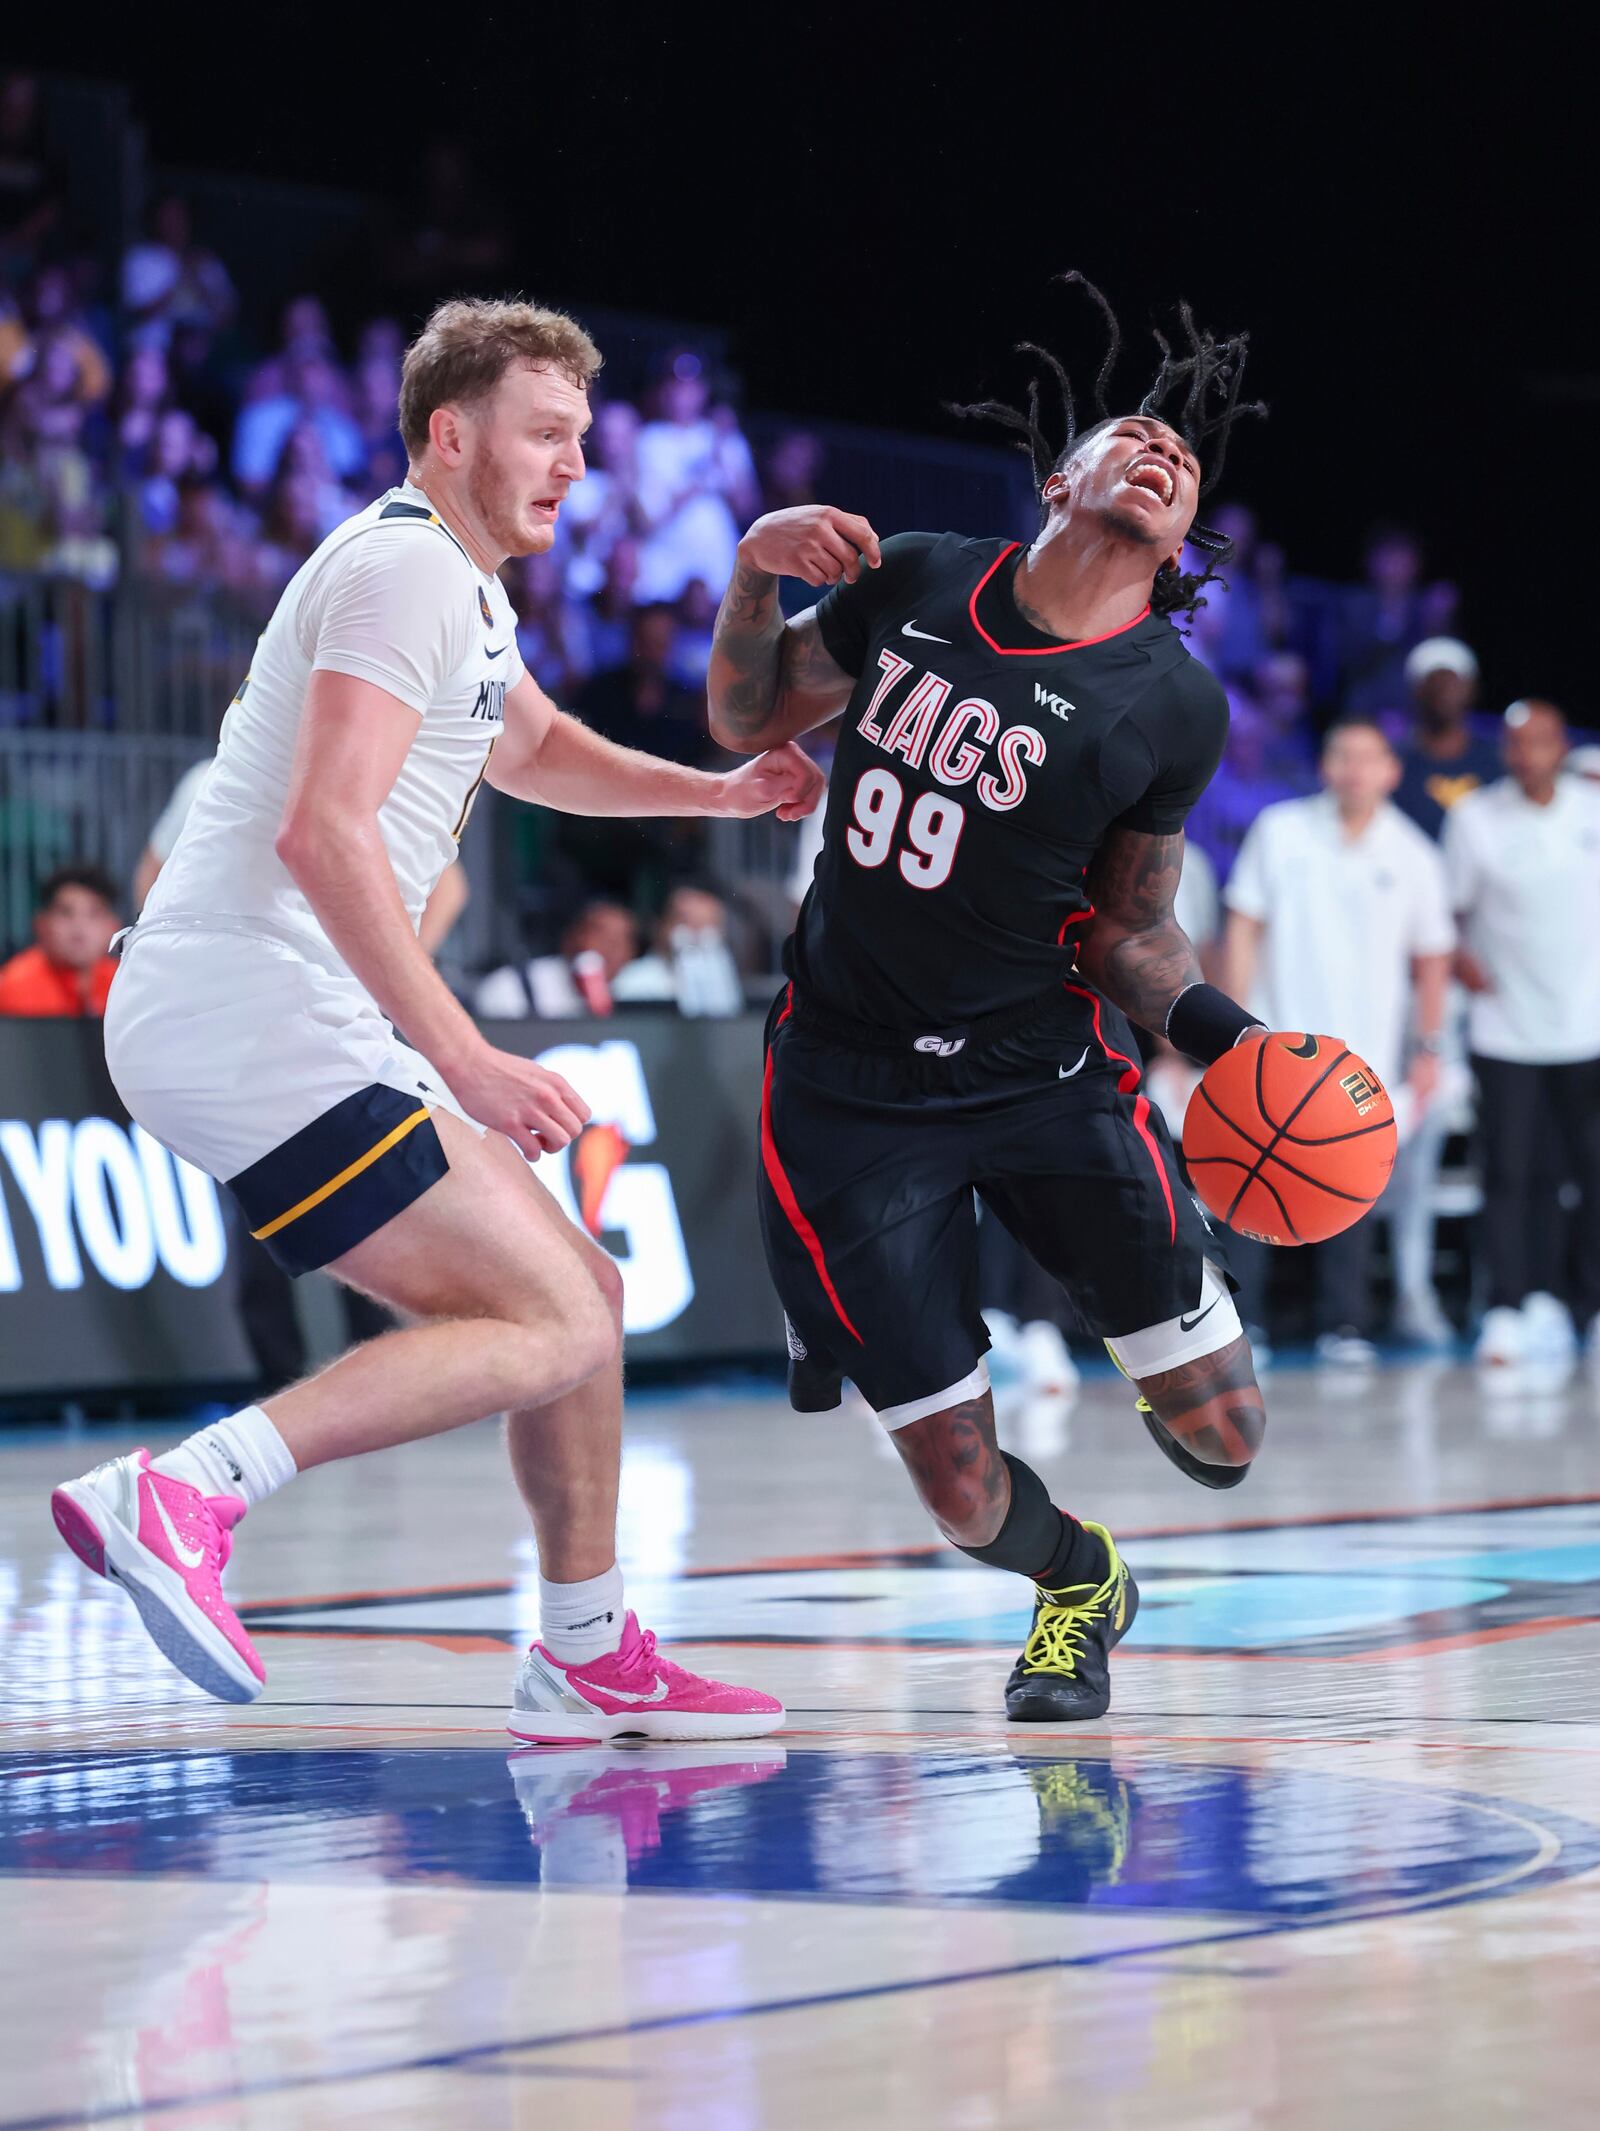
x: 1063, y: 1675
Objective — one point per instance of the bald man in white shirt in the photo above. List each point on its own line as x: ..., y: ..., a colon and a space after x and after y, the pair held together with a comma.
x: 1523, y: 857
x: 1338, y: 919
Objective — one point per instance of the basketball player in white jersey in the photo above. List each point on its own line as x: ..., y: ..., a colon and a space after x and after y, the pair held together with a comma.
x: 251, y: 1028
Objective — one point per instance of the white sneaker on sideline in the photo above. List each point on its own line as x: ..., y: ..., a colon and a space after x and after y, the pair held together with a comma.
x: 1500, y: 1339
x: 1419, y: 1319
x: 1046, y: 1359
x: 1346, y: 1349
x: 1547, y: 1333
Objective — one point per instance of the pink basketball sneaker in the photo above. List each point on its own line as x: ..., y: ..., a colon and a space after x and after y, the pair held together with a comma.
x: 632, y: 1693
x: 166, y: 1544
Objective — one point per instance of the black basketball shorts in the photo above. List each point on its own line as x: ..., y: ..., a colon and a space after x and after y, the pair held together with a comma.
x: 872, y: 1163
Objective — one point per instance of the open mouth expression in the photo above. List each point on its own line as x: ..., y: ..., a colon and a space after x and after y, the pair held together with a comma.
x: 1154, y: 476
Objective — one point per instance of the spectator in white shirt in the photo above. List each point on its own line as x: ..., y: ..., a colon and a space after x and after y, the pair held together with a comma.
x: 313, y: 395
x: 170, y: 283
x: 697, y: 486
x: 1524, y: 863
x: 601, y: 941
x: 1338, y: 923
x: 690, y: 962
x: 603, y: 507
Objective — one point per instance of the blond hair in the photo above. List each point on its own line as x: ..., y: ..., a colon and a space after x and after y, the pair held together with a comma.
x: 470, y: 343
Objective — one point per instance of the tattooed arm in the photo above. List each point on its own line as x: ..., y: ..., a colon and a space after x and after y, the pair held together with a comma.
x: 1135, y: 951
x: 770, y: 679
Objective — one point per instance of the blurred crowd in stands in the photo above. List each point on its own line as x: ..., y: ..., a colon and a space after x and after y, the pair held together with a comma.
x: 1356, y: 836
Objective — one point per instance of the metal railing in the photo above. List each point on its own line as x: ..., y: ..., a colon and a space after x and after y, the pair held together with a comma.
x: 95, y: 796
x: 68, y: 797
x: 126, y: 658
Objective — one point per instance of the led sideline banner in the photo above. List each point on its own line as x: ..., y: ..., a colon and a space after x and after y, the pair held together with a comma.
x: 664, y: 1173
x: 115, y: 1268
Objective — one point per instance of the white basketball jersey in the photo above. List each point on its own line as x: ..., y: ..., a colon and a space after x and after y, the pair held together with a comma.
x: 391, y: 596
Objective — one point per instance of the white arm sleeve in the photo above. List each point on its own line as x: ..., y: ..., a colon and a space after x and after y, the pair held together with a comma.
x: 397, y: 609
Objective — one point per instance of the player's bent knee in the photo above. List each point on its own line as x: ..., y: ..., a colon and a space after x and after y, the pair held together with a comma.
x: 608, y: 1280
x: 595, y: 1332
x: 967, y: 1514
x: 1212, y: 1409
x: 957, y: 1469
x: 588, y: 1344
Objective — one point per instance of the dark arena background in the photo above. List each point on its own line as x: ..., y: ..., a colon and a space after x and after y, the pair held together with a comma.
x: 1333, y: 1853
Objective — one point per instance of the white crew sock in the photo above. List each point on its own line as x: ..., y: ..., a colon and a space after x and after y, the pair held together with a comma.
x: 241, y: 1455
x: 580, y: 1621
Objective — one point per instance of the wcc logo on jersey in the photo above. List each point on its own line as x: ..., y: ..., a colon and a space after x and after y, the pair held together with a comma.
x: 1047, y: 700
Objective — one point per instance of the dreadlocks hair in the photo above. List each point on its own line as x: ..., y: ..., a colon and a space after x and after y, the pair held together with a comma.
x: 1197, y: 390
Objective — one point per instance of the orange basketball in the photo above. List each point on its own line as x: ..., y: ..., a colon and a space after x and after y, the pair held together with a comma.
x: 1290, y: 1139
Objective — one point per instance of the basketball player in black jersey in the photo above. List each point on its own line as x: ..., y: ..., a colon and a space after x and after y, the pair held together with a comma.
x: 1024, y: 734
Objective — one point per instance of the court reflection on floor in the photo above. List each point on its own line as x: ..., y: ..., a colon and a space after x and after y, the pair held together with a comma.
x: 1108, y: 1826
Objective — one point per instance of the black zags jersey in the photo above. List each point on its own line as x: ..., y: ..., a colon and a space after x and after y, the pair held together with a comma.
x: 978, y: 768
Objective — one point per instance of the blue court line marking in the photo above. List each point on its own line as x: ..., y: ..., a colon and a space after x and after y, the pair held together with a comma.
x: 480, y: 2055
x: 491, y: 2070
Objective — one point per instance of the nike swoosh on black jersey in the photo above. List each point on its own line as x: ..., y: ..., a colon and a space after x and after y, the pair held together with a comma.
x: 1187, y: 1324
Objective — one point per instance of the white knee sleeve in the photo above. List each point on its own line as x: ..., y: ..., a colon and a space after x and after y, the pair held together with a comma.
x: 1212, y: 1323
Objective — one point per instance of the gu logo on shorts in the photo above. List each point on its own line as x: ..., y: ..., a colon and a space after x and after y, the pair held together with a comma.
x: 627, y: 1205
x: 1363, y: 1088
x: 940, y: 1046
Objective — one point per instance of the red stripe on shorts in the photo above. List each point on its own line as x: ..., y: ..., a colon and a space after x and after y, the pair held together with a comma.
x: 785, y: 1190
x: 1126, y: 1083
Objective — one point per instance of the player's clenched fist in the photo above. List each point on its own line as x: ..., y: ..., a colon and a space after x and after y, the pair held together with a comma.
x: 813, y: 541
x: 784, y: 781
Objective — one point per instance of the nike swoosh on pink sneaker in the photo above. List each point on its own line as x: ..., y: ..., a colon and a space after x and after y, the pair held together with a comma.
x: 633, y: 1691
x: 165, y: 1544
